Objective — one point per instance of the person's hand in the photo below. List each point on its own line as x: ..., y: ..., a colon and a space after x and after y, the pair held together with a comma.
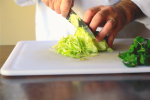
x: 60, y: 6
x: 112, y: 20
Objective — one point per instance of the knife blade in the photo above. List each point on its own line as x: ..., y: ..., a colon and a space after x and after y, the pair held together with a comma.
x: 81, y: 24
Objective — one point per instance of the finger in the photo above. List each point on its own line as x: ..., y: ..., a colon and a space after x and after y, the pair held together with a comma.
x: 57, y: 6
x: 51, y: 4
x: 105, y: 30
x: 96, y: 21
x: 88, y: 15
x: 111, y: 38
x: 65, y: 7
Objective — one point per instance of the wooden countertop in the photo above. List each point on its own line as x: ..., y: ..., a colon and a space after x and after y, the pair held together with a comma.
x: 73, y: 87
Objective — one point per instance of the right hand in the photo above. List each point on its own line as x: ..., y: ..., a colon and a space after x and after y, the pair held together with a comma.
x: 60, y: 6
x: 111, y: 18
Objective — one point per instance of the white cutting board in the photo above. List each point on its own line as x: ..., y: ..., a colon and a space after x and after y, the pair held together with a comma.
x: 35, y: 58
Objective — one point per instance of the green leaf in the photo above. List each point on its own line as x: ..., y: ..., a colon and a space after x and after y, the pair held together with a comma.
x: 139, y: 53
x: 129, y: 64
x: 147, y: 60
x: 123, y: 55
x: 136, y: 45
x: 131, y: 49
x: 127, y: 58
x: 148, y: 44
x: 140, y: 39
x: 142, y: 59
x: 131, y: 58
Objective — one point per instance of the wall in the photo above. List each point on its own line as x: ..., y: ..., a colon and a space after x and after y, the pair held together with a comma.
x: 16, y: 23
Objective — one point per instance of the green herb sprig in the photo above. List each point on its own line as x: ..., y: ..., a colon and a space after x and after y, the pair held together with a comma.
x: 138, y: 54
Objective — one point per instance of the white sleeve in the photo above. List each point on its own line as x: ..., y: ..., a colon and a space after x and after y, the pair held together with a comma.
x: 25, y: 2
x: 144, y: 5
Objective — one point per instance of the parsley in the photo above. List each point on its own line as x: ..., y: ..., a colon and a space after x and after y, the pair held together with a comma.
x: 138, y: 54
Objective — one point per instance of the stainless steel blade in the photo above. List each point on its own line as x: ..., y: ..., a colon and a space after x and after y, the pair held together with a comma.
x: 82, y: 24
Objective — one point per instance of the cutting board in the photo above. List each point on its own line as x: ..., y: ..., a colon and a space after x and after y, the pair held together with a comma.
x: 37, y: 58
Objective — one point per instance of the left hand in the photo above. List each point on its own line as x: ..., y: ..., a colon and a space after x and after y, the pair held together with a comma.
x: 60, y: 6
x: 110, y: 18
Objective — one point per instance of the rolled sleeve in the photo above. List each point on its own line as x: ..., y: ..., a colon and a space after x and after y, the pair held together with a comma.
x: 144, y: 5
x: 25, y: 2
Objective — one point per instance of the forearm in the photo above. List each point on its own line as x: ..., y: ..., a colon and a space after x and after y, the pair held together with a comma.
x: 130, y: 9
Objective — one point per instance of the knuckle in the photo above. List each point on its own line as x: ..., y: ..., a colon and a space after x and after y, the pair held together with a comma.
x: 99, y: 15
x: 90, y: 11
x: 109, y: 8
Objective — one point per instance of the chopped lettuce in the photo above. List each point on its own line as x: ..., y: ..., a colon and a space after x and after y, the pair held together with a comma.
x: 80, y: 45
x: 74, y: 19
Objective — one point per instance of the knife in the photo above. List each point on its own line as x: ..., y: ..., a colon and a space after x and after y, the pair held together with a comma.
x: 82, y: 24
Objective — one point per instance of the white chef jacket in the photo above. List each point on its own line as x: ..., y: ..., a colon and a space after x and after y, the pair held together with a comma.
x: 52, y: 26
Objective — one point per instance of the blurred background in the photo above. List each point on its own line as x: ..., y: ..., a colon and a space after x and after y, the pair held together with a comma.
x: 16, y: 23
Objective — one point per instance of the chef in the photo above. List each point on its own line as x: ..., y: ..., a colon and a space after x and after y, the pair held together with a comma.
x: 115, y: 18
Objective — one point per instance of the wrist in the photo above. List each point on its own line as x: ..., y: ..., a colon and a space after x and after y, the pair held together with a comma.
x: 130, y: 10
